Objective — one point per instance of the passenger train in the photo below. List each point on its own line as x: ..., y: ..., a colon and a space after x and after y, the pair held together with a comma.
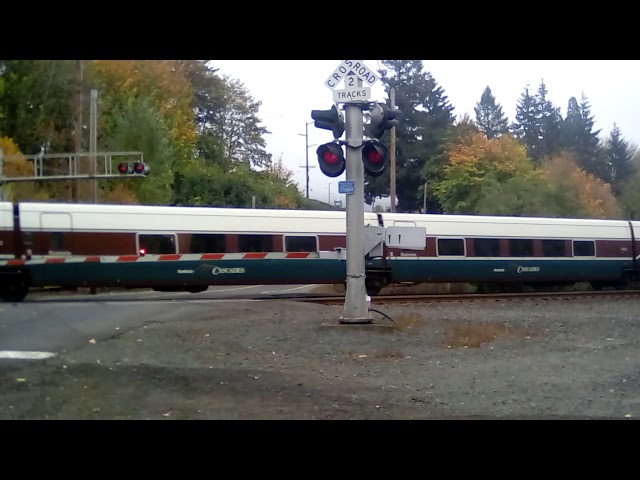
x: 170, y: 248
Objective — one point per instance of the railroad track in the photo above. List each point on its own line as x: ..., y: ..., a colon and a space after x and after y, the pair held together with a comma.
x: 474, y: 297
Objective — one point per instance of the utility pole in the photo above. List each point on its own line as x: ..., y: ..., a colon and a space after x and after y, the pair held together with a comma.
x: 424, y: 205
x: 1, y: 174
x: 93, y: 142
x: 392, y: 157
x: 306, y: 165
x: 77, y: 124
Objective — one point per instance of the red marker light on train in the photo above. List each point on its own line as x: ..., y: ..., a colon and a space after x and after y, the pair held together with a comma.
x: 142, y: 252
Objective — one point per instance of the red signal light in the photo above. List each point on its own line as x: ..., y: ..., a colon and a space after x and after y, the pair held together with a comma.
x: 374, y: 156
x: 123, y: 168
x: 330, y: 157
x: 140, y: 168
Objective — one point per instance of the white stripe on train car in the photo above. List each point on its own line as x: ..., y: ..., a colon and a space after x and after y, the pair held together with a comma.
x: 162, y: 258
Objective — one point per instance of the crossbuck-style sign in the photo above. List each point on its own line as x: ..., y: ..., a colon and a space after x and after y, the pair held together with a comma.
x: 350, y: 71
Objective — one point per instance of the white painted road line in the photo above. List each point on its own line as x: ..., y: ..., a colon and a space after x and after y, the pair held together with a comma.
x: 275, y: 292
x: 25, y: 355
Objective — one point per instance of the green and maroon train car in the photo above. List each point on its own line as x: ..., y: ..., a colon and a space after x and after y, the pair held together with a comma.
x: 190, y: 248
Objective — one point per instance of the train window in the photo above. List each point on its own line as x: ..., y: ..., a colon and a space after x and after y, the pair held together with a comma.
x: 27, y: 239
x: 56, y: 242
x: 486, y: 247
x: 207, y: 243
x: 584, y: 248
x: 300, y: 244
x: 553, y: 248
x: 157, y: 244
x: 255, y: 243
x: 520, y: 247
x: 451, y: 246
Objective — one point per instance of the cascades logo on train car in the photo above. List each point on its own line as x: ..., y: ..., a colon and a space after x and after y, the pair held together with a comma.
x: 218, y: 270
x: 528, y: 269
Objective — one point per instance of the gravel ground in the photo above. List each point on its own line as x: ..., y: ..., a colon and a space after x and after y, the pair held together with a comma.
x: 507, y: 359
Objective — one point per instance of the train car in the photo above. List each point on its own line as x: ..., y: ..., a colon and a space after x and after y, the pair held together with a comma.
x: 166, y: 248
x: 510, y: 253
x: 191, y: 248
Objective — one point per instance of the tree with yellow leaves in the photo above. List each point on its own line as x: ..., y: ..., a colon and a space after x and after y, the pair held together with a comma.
x: 15, y: 164
x: 576, y: 193
x: 490, y: 176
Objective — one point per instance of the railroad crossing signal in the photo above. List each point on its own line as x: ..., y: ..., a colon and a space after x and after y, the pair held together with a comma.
x: 358, y: 80
x: 330, y: 119
x: 383, y: 118
x: 331, y: 159
x: 135, y: 168
x: 375, y: 157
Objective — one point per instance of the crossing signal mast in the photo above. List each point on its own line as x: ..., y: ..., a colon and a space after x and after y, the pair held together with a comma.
x: 362, y: 155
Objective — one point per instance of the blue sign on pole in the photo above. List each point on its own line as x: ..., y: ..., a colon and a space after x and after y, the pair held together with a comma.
x: 347, y: 186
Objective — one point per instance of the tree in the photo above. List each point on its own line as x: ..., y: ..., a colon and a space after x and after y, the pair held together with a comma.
x: 489, y: 116
x: 210, y: 98
x: 576, y: 193
x: 15, y: 164
x: 36, y: 104
x: 526, y: 127
x: 579, y: 138
x: 238, y: 126
x: 481, y: 171
x: 618, y: 157
x: 427, y: 114
x: 164, y: 84
x: 537, y: 124
x: 629, y: 196
x: 549, y: 120
x: 138, y: 126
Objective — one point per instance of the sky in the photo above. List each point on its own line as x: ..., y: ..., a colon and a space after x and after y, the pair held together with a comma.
x: 290, y: 89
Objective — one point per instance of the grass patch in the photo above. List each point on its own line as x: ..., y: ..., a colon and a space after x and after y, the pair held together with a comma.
x: 461, y: 334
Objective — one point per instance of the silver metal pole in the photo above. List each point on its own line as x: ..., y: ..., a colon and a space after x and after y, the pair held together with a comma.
x: 356, y: 309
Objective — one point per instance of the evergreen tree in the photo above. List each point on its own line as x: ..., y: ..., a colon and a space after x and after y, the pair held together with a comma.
x: 549, y: 120
x: 618, y: 157
x: 571, y: 126
x: 526, y: 127
x: 427, y: 115
x: 489, y: 116
x: 578, y: 136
